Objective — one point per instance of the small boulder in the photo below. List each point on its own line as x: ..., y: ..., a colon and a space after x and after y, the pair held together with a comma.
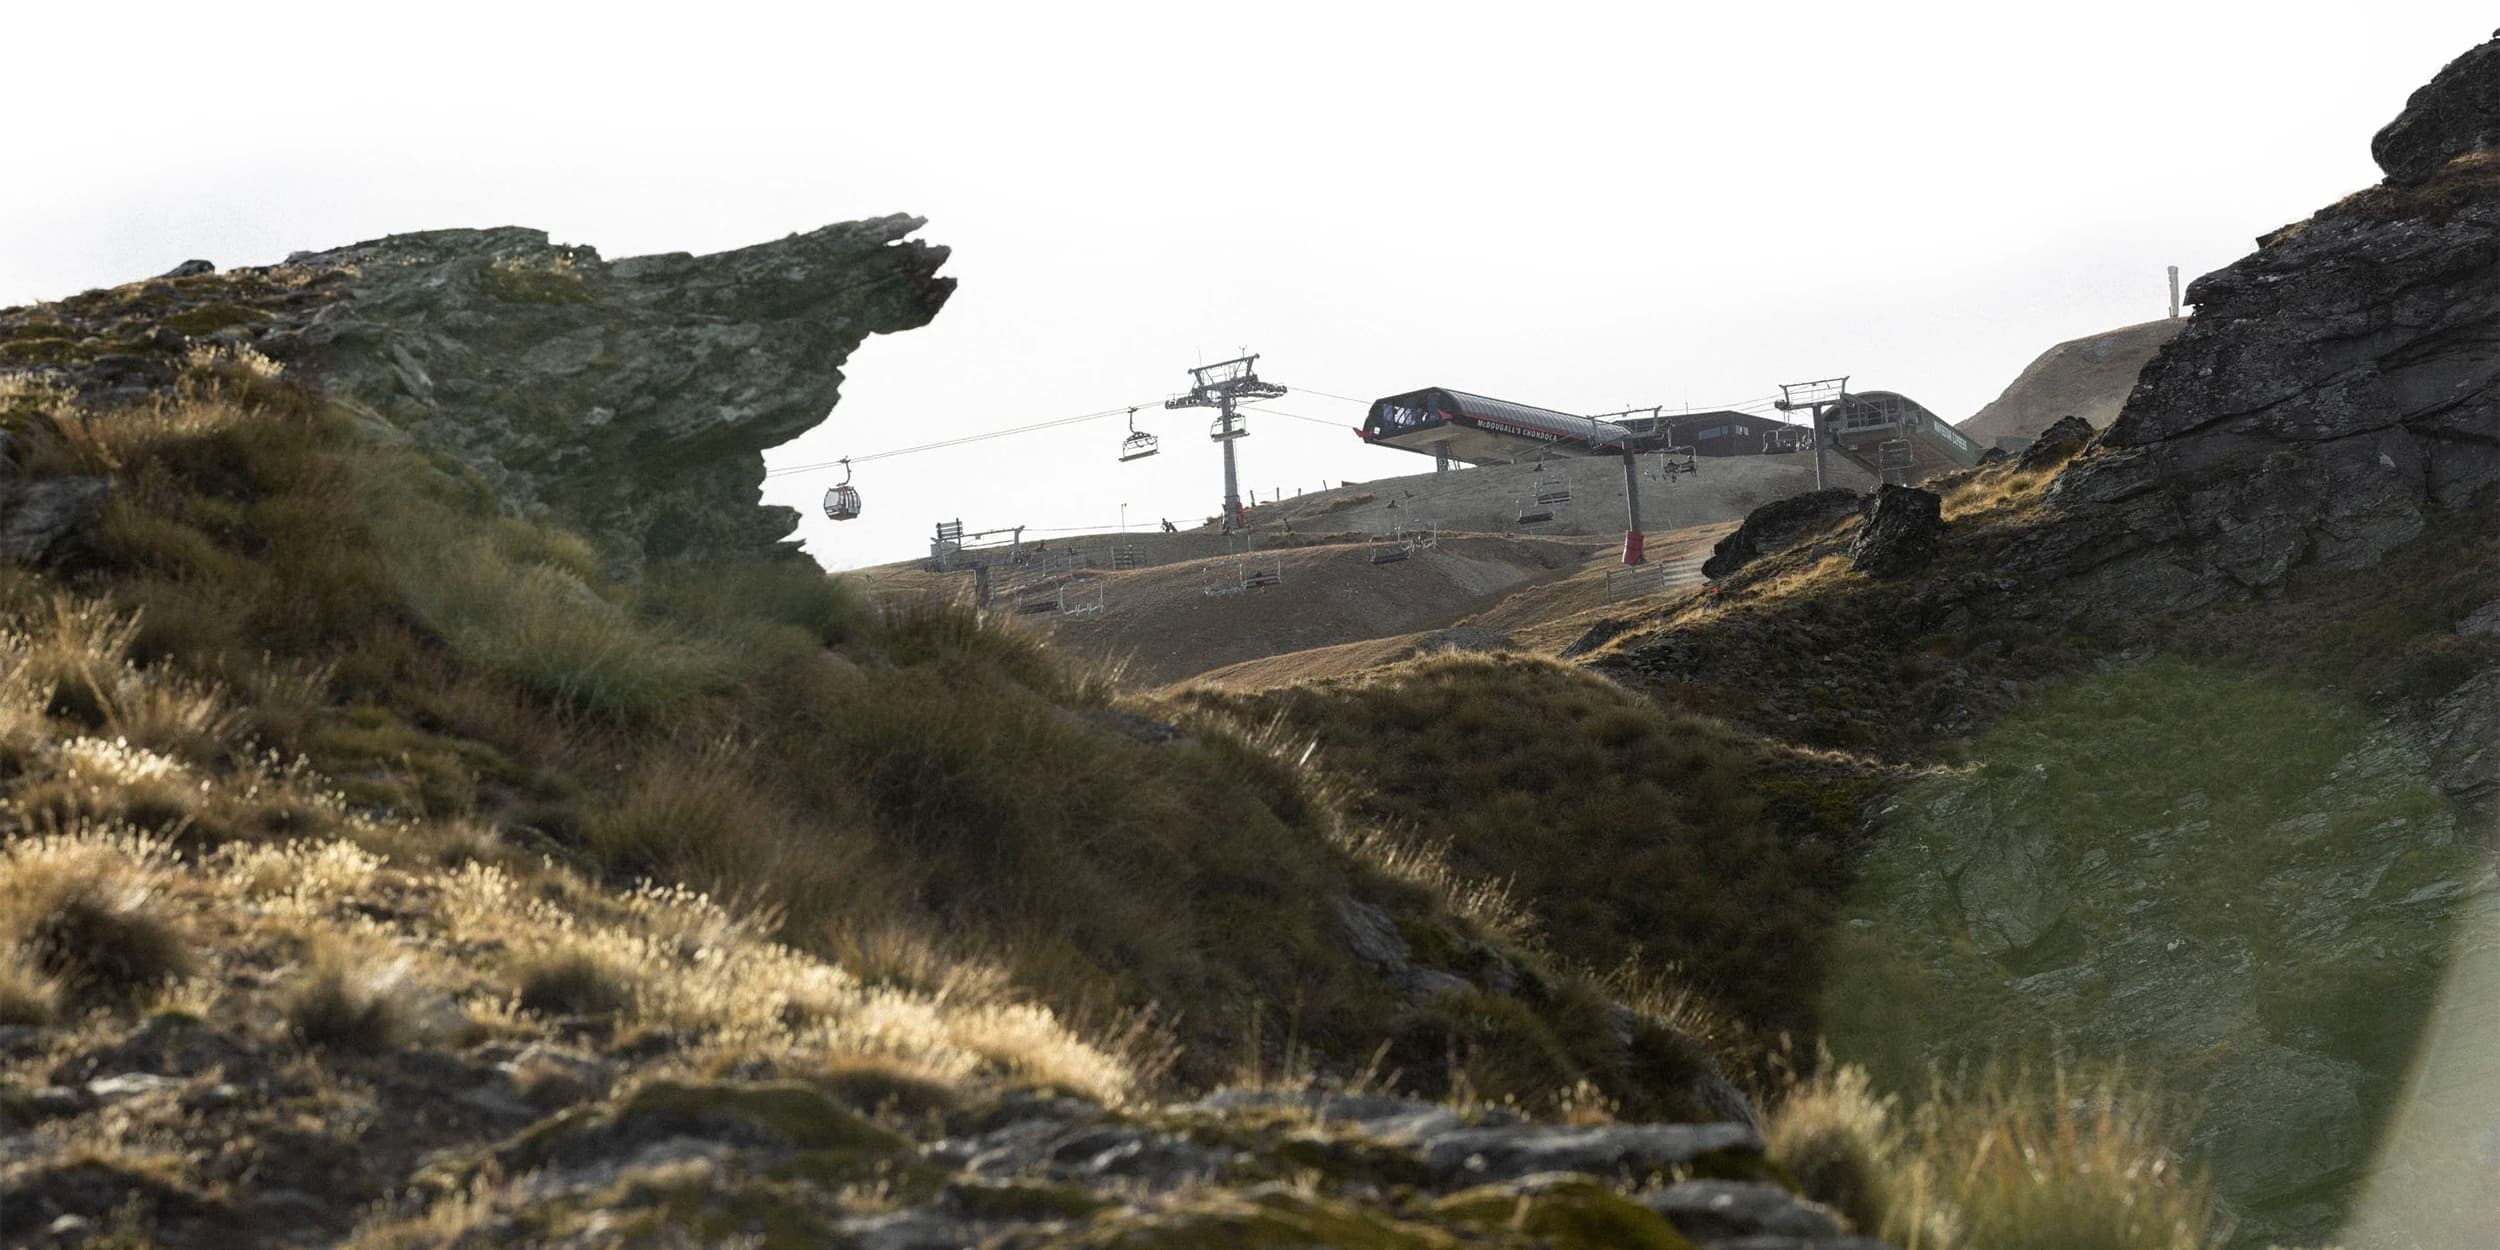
x: 1710, y: 1211
x: 2066, y: 436
x: 1596, y: 636
x: 189, y: 269
x: 1900, y: 534
x: 1777, y: 525
x: 50, y: 520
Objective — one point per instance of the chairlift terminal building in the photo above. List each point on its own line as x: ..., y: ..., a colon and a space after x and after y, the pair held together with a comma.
x: 1474, y: 429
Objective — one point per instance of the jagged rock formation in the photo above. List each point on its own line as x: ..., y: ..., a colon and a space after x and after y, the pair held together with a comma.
x: 633, y: 397
x: 2251, y: 875
x: 1779, y: 524
x: 2332, y: 385
x: 1900, y: 533
x: 2459, y: 111
x: 2087, y: 377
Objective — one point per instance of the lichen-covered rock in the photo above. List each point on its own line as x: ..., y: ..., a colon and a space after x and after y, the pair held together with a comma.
x: 632, y: 399
x: 635, y: 397
x: 2455, y: 113
x: 1780, y: 524
x: 1900, y: 533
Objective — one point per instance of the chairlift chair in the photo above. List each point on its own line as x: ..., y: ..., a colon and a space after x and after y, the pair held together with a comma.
x: 1532, y: 512
x: 842, y: 501
x: 1139, y: 444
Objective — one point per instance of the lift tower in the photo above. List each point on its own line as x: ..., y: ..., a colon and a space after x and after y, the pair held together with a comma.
x: 1222, y: 387
x: 1816, y: 398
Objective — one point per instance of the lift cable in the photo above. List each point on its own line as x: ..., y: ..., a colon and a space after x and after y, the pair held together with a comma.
x: 1758, y: 405
x: 959, y: 441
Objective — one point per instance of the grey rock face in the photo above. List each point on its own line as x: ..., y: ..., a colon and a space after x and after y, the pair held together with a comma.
x: 2455, y: 113
x: 49, y: 521
x: 2332, y: 386
x: 1900, y: 534
x: 1778, y: 525
x: 633, y: 398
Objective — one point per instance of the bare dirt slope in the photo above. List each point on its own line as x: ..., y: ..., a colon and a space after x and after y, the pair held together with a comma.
x: 1165, y: 626
x: 1541, y: 616
x: 1161, y: 623
x: 2088, y: 377
x: 1487, y: 499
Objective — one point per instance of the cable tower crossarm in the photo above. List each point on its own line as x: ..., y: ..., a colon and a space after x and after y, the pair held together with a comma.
x: 1225, y: 386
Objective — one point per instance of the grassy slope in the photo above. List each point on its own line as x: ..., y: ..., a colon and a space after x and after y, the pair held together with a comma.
x: 328, y: 789
x: 376, y: 773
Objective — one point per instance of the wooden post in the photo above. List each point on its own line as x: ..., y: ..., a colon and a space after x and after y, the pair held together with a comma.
x: 2174, y: 292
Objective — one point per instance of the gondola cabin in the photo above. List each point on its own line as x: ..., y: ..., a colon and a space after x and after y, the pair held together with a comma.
x: 842, y: 503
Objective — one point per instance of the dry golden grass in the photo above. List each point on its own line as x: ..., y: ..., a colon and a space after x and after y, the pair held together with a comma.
x: 354, y: 995
x: 88, y: 910
x: 28, y: 995
x: 2002, y: 1158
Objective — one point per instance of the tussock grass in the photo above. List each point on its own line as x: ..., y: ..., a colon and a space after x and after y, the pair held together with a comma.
x: 29, y: 996
x: 2002, y: 1157
x: 574, y: 979
x: 351, y: 997
x: 1846, y: 1148
x: 88, y: 912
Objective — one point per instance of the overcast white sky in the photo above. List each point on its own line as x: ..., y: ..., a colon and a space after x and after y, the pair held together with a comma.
x: 1584, y: 207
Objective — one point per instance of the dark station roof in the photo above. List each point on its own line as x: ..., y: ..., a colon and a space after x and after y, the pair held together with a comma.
x: 1479, y: 429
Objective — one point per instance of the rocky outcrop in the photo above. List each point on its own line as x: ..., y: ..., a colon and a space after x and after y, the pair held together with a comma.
x: 2087, y: 377
x: 1778, y: 525
x: 634, y: 397
x: 1034, y: 1170
x: 2456, y: 112
x: 630, y: 398
x: 1900, y: 534
x: 2332, y: 386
